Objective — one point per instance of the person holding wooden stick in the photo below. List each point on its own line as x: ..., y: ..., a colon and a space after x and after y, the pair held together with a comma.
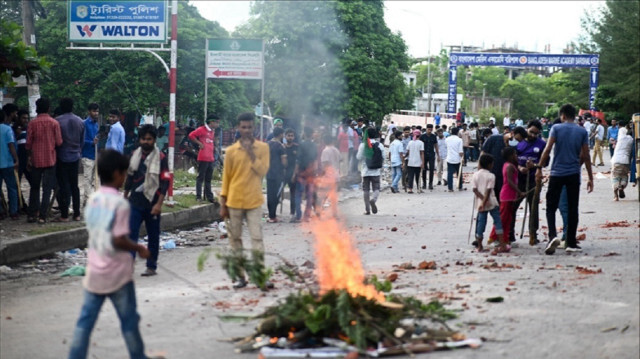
x: 90, y: 151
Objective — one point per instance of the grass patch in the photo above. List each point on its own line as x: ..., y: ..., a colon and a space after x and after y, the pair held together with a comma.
x: 183, y: 201
x: 182, y: 178
x: 49, y: 228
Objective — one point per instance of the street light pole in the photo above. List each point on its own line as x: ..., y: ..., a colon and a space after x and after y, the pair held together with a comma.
x: 429, y: 70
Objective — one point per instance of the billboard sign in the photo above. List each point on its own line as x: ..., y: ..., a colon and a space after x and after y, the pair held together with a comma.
x: 523, y: 59
x: 117, y: 21
x: 234, y: 59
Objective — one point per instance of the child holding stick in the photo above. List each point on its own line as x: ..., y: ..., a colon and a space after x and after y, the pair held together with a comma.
x: 508, y: 195
x: 482, y: 183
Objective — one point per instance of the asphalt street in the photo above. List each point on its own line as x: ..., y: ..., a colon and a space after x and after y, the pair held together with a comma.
x: 561, y: 306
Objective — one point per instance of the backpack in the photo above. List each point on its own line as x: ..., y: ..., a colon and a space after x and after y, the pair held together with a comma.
x: 375, y: 161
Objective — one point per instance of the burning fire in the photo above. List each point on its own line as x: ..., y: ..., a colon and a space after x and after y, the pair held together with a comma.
x: 338, y: 264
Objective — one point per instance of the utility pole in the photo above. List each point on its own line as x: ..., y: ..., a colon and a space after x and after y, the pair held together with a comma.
x: 29, y: 38
x: 172, y: 91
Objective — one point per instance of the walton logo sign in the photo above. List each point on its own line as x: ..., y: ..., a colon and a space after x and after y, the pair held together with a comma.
x: 117, y: 21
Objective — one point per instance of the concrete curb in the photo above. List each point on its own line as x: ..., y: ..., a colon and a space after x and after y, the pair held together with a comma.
x: 36, y: 246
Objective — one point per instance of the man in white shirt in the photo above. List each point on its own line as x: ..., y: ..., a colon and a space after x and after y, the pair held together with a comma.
x: 371, y: 175
x: 454, y: 157
x: 506, y: 121
x: 597, y: 148
x: 415, y: 162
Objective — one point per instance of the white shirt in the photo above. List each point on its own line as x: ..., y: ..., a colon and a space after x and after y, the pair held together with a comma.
x: 519, y: 122
x: 414, y: 148
x: 506, y: 121
x: 494, y: 131
x: 622, y: 152
x: 492, y: 120
x: 454, y: 149
x: 599, y: 132
x: 442, y: 147
x: 587, y: 126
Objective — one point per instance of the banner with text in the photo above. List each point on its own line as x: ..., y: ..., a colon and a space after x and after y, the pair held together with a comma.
x: 117, y: 21
x: 523, y: 60
x: 453, y: 90
x: 234, y: 59
x: 593, y: 87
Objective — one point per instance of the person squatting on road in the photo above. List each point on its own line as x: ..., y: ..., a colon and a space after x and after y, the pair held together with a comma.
x: 204, y: 136
x: 110, y: 264
x: 571, y: 150
x: 482, y: 183
x: 246, y: 162
x: 620, y: 163
x: 146, y: 185
x: 372, y: 152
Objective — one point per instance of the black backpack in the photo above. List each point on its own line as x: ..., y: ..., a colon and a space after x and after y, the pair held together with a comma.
x: 375, y: 161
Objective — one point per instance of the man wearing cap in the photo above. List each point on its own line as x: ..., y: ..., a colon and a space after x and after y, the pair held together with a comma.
x: 203, y: 137
x: 277, y: 122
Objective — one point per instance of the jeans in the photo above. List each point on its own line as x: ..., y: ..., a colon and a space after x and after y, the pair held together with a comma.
x: 205, y: 172
x: 353, y: 161
x: 451, y: 169
x: 563, y: 206
x: 475, y: 152
x: 429, y: 165
x: 274, y: 189
x: 46, y: 176
x: 481, y: 222
x: 152, y: 224
x: 572, y: 185
x: 304, y: 185
x: 67, y: 175
x: 370, y: 183
x: 396, y: 175
x: 124, y: 302
x: 8, y: 176
x: 292, y: 196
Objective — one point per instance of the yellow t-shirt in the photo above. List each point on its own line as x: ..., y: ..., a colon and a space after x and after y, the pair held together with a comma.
x: 241, y: 178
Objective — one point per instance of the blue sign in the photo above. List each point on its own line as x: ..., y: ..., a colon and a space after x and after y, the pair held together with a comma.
x: 593, y: 86
x: 523, y: 59
x: 453, y: 90
x: 117, y: 21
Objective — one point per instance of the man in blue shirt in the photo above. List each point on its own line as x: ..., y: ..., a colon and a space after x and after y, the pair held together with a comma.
x: 115, y: 141
x: 613, y: 136
x: 571, y: 148
x: 69, y: 154
x: 89, y: 150
x: 8, y: 162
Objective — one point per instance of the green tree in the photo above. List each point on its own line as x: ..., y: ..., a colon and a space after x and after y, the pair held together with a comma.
x: 328, y: 59
x: 617, y: 39
x: 16, y: 58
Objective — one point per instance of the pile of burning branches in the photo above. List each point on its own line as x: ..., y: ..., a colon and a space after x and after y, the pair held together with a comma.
x: 399, y: 325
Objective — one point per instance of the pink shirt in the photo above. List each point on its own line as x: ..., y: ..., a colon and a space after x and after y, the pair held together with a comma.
x: 107, y: 217
x: 506, y: 192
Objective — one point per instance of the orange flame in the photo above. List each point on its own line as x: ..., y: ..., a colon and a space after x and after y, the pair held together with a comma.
x: 338, y: 264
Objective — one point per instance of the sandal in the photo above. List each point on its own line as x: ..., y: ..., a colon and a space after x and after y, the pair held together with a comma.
x: 32, y: 220
x: 77, y: 218
x: 60, y: 220
x: 42, y: 221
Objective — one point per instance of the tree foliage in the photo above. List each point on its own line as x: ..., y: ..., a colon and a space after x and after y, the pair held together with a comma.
x: 133, y: 80
x: 617, y: 39
x: 328, y: 59
x: 16, y: 58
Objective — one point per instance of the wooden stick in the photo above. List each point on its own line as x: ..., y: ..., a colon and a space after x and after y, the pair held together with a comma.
x: 526, y: 207
x: 15, y: 172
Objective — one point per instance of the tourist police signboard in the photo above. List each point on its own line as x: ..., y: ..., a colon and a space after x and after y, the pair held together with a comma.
x: 234, y: 59
x: 117, y: 21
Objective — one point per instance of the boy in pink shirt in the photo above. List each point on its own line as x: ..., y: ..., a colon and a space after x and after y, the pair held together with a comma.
x: 109, y: 260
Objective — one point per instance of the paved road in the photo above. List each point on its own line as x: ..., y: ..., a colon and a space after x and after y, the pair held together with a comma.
x: 551, y: 308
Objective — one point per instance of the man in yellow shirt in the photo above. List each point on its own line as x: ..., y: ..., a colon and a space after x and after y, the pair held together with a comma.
x: 246, y: 162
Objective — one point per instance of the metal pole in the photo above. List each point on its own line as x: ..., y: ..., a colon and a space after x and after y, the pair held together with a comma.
x: 29, y: 38
x: 262, y: 98
x: 206, y: 82
x: 172, y: 94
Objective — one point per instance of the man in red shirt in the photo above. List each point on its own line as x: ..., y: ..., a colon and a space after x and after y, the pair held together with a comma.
x: 42, y: 139
x: 203, y: 137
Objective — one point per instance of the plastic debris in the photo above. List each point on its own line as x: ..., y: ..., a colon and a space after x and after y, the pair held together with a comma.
x: 170, y: 244
x: 191, y: 170
x: 75, y: 271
